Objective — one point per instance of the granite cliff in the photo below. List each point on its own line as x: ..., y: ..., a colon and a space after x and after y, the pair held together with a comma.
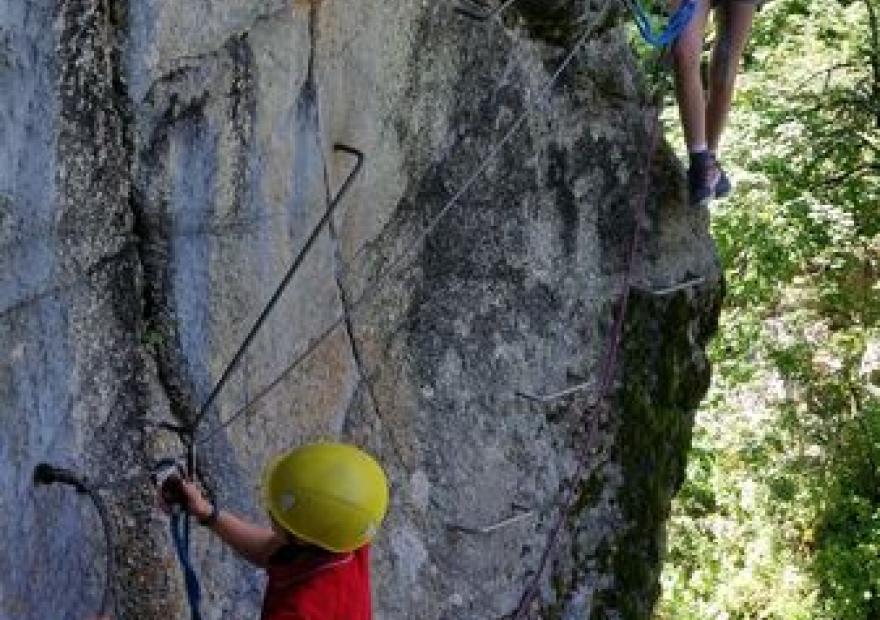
x: 162, y: 161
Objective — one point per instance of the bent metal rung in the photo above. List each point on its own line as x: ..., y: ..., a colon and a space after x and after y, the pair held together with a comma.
x: 288, y: 276
x: 493, y: 527
x: 669, y: 290
x: 546, y: 399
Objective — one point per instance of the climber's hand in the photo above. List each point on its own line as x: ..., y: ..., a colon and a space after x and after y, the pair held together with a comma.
x: 195, y: 501
x: 184, y: 493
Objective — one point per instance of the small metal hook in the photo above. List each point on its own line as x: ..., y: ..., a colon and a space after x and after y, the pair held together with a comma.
x: 44, y: 475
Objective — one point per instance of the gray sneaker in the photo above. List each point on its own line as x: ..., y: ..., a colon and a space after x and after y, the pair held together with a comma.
x: 706, y: 179
x: 722, y: 185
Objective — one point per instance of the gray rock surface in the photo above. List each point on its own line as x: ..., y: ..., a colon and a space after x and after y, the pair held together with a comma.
x: 161, y: 162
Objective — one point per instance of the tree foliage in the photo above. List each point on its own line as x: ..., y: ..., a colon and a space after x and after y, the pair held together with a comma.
x: 780, y: 514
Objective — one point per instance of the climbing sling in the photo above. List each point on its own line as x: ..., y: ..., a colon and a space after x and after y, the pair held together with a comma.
x: 180, y: 536
x: 677, y: 24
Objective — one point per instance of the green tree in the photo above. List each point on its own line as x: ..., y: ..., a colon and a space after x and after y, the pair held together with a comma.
x: 780, y: 515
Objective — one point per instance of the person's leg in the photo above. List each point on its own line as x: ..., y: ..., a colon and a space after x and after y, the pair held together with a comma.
x: 686, y: 52
x: 734, y: 23
x: 688, y: 83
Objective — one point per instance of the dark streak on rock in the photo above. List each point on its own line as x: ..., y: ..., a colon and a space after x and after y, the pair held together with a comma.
x: 243, y: 110
x: 560, y: 182
x: 559, y: 22
x: 227, y: 78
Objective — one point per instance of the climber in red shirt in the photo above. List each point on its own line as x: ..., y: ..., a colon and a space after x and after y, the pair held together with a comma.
x: 326, y: 502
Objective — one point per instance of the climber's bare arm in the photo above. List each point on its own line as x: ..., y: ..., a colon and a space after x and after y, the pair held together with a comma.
x: 254, y: 543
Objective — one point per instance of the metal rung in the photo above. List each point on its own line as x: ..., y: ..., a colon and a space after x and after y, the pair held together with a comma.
x: 478, y: 11
x: 546, y: 399
x: 491, y: 528
x: 661, y: 292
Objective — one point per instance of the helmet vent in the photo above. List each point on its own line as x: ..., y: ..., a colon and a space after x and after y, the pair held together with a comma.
x: 287, y: 501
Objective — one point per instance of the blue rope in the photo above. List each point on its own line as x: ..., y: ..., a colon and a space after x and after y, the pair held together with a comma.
x: 180, y: 536
x: 678, y: 21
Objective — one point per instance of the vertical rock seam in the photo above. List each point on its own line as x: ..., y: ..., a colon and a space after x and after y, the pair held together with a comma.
x: 106, y: 319
x: 311, y: 94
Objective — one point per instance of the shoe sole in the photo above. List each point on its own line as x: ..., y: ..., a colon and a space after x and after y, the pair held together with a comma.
x: 721, y: 190
x: 723, y: 187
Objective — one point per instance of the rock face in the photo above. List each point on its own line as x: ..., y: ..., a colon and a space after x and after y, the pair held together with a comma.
x: 162, y: 163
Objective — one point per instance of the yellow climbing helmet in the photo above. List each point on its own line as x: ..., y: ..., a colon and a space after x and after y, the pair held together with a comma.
x: 332, y: 495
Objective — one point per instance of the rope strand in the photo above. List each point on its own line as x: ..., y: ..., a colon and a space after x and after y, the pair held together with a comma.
x: 567, y: 496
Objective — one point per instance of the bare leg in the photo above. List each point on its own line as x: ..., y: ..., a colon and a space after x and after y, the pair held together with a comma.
x: 688, y: 83
x: 734, y: 22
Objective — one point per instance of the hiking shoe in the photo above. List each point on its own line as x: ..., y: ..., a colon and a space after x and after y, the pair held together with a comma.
x: 723, y: 186
x: 706, y: 179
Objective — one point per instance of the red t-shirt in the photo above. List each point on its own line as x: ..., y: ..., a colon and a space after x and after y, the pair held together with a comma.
x: 310, y: 584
